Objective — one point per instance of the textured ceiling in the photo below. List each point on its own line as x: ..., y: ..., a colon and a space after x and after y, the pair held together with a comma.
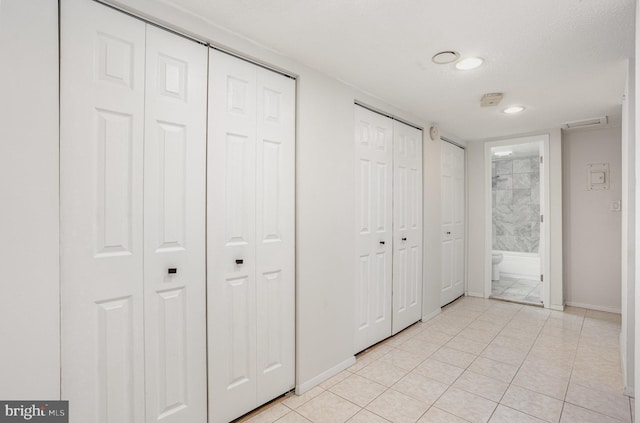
x: 564, y: 60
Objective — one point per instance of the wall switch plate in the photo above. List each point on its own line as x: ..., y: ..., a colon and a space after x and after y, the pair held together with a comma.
x: 615, y: 206
x: 597, y: 176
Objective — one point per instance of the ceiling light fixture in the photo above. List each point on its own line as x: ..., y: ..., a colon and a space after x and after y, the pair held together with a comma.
x: 469, y: 63
x: 445, y: 57
x: 513, y: 109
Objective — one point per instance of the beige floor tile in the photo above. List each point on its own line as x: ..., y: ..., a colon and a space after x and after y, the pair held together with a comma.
x: 421, y: 388
x: 533, y: 403
x: 362, y: 361
x: 328, y: 408
x: 335, y: 379
x: 366, y: 416
x: 494, y: 369
x: 357, y: 389
x: 434, y: 336
x: 574, y: 414
x: 467, y: 345
x: 477, y: 335
x: 383, y: 373
x: 397, y: 407
x: 504, y: 354
x: 437, y: 370
x: 555, y: 387
x: 509, y: 415
x: 612, y: 405
x: 457, y: 358
x: 436, y: 415
x: 403, y: 359
x: 418, y: 347
x: 466, y: 405
x: 293, y: 417
x: 484, y: 386
x: 269, y: 414
x: 294, y: 401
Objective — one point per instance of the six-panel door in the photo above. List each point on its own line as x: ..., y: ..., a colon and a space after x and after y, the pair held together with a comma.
x: 374, y: 238
x: 407, y: 226
x: 250, y: 236
x: 133, y: 169
x: 453, y: 218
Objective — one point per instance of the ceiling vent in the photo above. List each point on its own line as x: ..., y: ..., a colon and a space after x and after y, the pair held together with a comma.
x: 491, y: 99
x: 585, y: 123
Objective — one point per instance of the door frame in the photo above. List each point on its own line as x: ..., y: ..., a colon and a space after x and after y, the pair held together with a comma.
x: 545, y: 197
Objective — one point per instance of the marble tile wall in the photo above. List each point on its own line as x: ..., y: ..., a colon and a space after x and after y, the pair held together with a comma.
x: 516, y: 203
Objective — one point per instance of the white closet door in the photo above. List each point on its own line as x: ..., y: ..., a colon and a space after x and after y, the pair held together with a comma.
x: 101, y: 155
x: 275, y: 233
x: 174, y: 228
x: 374, y: 167
x: 407, y: 226
x: 453, y: 218
x: 231, y: 237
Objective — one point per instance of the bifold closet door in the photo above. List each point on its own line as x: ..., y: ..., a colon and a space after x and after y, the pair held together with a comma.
x: 453, y: 218
x: 250, y: 236
x: 133, y: 122
x: 174, y: 228
x: 101, y: 184
x: 407, y: 226
x: 374, y: 239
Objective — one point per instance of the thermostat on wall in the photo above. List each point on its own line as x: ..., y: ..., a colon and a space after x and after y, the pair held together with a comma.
x: 597, y: 176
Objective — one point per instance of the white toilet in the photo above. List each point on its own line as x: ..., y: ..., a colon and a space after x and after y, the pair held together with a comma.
x: 496, y: 258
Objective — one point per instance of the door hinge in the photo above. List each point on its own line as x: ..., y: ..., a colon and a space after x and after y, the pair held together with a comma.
x: 541, y: 160
x: 542, y: 218
x: 541, y: 278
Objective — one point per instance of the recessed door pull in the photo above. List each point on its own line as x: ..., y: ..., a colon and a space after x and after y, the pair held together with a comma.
x: 381, y: 242
x: 239, y: 261
x: 404, y: 238
x: 172, y: 270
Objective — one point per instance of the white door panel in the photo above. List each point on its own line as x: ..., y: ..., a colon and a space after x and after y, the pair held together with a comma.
x: 101, y: 155
x: 453, y: 222
x: 407, y: 226
x: 174, y: 222
x: 275, y: 232
x: 374, y: 243
x: 231, y: 237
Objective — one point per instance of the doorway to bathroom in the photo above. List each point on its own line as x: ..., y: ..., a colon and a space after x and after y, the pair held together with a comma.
x: 516, y: 230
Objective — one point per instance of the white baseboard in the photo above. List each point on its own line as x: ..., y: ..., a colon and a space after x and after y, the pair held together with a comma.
x: 317, y: 380
x: 475, y: 294
x: 557, y: 307
x: 431, y: 315
x: 615, y: 310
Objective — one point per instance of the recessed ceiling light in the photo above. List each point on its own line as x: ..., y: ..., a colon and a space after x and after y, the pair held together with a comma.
x: 513, y: 109
x: 469, y: 63
x: 444, y: 57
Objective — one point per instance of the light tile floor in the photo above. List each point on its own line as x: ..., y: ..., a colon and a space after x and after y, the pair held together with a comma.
x: 478, y: 361
x: 521, y: 290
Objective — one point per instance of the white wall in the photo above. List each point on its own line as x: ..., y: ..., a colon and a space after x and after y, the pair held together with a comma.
x: 591, y: 230
x: 325, y: 187
x: 29, y: 302
x: 476, y: 218
x: 627, y: 268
